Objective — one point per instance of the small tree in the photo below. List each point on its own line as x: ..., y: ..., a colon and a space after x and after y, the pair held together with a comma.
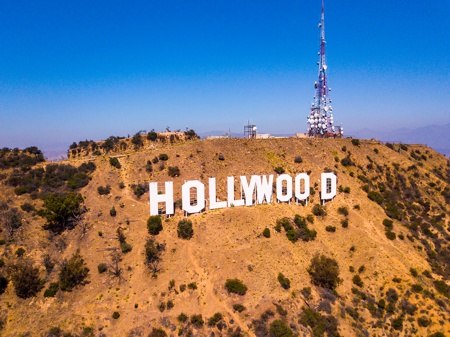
x: 73, y: 272
x: 115, y: 162
x: 318, y: 210
x: 279, y: 328
x: 324, y: 272
x: 152, y: 135
x: 173, y: 171
x: 185, y: 230
x: 62, y: 211
x: 284, y: 281
x: 236, y: 286
x: 266, y: 232
x: 26, y: 279
x: 113, y: 212
x: 154, y: 225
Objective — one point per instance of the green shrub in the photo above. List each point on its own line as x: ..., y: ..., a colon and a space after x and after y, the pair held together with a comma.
x: 413, y: 272
x: 318, y: 210
x: 346, y: 161
x: 61, y: 211
x: 51, y: 290
x: 284, y: 281
x: 212, y: 321
x: 113, y: 212
x: 279, y: 328
x: 3, y: 284
x: 442, y: 287
x: 298, y: 159
x: 331, y: 229
x: 104, y: 190
x: 102, y: 267
x: 324, y: 272
x: 154, y: 225
x: 182, y: 318
x: 344, y: 223
x: 192, y: 286
x: 173, y: 171
x: 279, y: 169
x: 27, y: 207
x: 125, y: 247
x: 185, y: 230
x: 115, y: 162
x: 266, y: 232
x: 26, y: 279
x: 157, y: 333
x: 388, y: 223
x: 390, y: 235
x: 238, y: 307
x: 115, y: 315
x: 357, y: 281
x: 319, y: 323
x: 416, y: 288
x: 73, y: 272
x: 163, y: 157
x: 235, y: 286
x: 356, y: 142
x: 152, y: 135
x: 375, y: 196
x: 397, y: 323
x: 20, y: 252
x: 197, y: 321
x: 343, y: 210
x: 139, y: 189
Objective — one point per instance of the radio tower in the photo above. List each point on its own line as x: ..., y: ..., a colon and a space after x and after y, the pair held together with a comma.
x: 320, y: 120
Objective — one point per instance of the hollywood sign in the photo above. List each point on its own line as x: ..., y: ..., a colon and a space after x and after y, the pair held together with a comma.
x: 256, y: 191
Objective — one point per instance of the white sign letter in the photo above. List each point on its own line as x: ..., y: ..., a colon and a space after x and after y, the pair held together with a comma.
x: 328, y: 188
x: 231, y: 201
x: 213, y: 203
x: 298, y: 180
x: 155, y: 198
x: 186, y: 196
x: 288, y: 195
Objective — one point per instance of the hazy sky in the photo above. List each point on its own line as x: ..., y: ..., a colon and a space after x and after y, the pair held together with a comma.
x: 75, y: 70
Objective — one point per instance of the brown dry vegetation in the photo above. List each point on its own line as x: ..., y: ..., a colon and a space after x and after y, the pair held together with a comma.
x: 228, y: 244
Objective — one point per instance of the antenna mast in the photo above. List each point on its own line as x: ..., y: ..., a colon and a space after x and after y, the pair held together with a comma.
x: 320, y: 119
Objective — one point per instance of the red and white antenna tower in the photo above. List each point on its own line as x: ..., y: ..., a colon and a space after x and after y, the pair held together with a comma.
x: 321, y: 120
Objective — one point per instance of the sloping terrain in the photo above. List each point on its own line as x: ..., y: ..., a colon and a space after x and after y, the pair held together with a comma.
x: 387, y: 229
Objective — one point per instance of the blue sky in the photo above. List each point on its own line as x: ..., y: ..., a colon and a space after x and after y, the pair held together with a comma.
x: 75, y: 70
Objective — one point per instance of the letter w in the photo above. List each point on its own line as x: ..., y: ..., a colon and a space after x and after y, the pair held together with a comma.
x: 263, y: 186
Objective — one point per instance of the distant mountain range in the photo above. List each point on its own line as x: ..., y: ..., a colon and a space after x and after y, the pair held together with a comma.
x: 435, y: 136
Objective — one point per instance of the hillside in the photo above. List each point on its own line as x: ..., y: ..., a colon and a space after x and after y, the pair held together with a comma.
x: 387, y: 229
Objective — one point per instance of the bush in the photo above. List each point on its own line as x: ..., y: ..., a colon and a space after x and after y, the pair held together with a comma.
x: 235, y: 286
x: 51, y: 290
x: 149, y: 167
x: 390, y: 235
x: 298, y: 159
x: 197, y: 321
x: 163, y: 157
x: 388, y: 223
x: 115, y: 162
x: 347, y: 161
x: 154, y: 225
x: 375, y: 196
x: 20, y: 252
x: 61, y: 211
x: 113, y: 212
x: 331, y: 229
x: 413, y: 272
x: 125, y: 247
x: 356, y: 142
x: 104, y: 190
x: 152, y: 135
x: 157, y: 333
x: 221, y: 157
x: 152, y: 253
x: 324, y: 272
x: 3, y: 284
x: 212, y: 321
x: 173, y: 171
x: 279, y: 328
x: 284, y: 281
x: 26, y: 280
x: 102, y: 267
x: 357, y: 281
x: 27, y: 207
x: 343, y: 210
x: 442, y: 287
x: 185, y: 230
x: 139, y: 189
x: 279, y: 170
x: 416, y: 288
x: 344, y: 223
x: 115, y: 315
x: 266, y: 232
x: 192, y: 285
x: 182, y: 318
x: 73, y: 272
x: 238, y: 307
x: 318, y: 210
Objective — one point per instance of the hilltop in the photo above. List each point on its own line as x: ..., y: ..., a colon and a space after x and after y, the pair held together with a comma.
x: 79, y: 255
